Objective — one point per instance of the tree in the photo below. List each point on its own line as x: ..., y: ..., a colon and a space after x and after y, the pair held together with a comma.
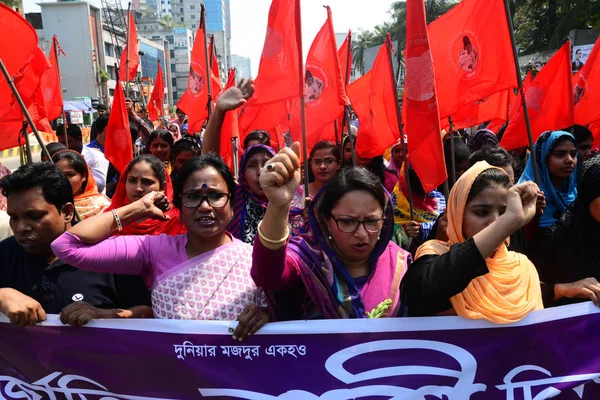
x: 10, y: 3
x: 361, y: 42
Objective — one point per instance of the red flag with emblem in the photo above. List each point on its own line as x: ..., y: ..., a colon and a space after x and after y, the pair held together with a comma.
x: 358, y: 91
x: 118, y: 148
x: 51, y: 83
x: 215, y: 75
x: 194, y: 101
x: 586, y: 89
x: 471, y: 60
x: 230, y: 128
x: 280, y: 75
x: 549, y: 102
x: 130, y: 54
x: 157, y: 98
x: 425, y: 149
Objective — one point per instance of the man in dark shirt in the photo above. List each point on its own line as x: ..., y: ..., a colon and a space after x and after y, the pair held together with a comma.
x: 33, y: 281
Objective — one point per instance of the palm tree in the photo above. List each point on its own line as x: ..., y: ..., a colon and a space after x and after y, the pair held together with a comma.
x: 360, y: 43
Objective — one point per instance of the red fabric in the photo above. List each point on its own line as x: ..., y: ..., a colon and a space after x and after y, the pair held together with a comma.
x: 51, y: 84
x: 230, y: 127
x: 463, y: 76
x: 280, y: 75
x: 133, y: 49
x: 155, y: 104
x: 494, y: 107
x: 172, y: 226
x: 514, y: 102
x: 345, y: 56
x: 586, y: 87
x: 594, y: 127
x: 214, y: 69
x: 118, y: 148
x: 549, y: 102
x: 358, y: 91
x: 324, y: 87
x: 263, y: 117
x: 426, y: 153
x: 382, y: 98
x: 194, y: 102
x: 15, y: 53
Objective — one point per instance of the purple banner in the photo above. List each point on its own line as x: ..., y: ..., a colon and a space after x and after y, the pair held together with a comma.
x: 553, y: 353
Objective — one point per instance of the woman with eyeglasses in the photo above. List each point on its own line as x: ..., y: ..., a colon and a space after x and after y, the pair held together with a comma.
x: 325, y: 162
x: 346, y: 267
x: 201, y: 275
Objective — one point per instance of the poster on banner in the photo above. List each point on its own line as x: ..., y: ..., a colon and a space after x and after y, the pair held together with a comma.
x: 76, y: 117
x: 580, y: 56
x: 552, y: 353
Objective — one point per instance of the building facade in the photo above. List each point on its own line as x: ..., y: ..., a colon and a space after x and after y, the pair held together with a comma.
x: 242, y: 65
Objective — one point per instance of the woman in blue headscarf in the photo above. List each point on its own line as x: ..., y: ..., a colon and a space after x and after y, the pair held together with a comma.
x: 250, y: 201
x: 556, y: 153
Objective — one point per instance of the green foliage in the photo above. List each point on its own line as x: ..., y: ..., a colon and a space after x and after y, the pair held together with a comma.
x: 10, y: 3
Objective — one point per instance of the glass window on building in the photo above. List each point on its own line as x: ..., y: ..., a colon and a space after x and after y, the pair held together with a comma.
x: 172, y: 53
x: 173, y: 68
x: 193, y: 16
x: 193, y: 26
x: 174, y: 82
x: 108, y: 50
x: 181, y: 18
x: 192, y: 7
x: 170, y: 40
x: 111, y: 92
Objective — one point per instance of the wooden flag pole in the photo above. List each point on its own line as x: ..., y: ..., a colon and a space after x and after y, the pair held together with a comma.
x: 336, y: 132
x: 522, y: 91
x: 63, y: 113
x: 127, y: 55
x: 400, y: 129
x: 208, y: 61
x: 28, y: 156
x: 350, y: 136
x: 24, y: 109
x: 301, y: 78
x: 345, y: 123
x: 234, y: 157
x: 452, y: 156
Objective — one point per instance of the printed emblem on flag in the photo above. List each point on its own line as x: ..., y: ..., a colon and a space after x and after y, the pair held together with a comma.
x: 465, y: 52
x: 195, y: 82
x: 535, y: 99
x: 421, y: 88
x: 273, y: 44
x: 580, y: 89
x: 315, y: 82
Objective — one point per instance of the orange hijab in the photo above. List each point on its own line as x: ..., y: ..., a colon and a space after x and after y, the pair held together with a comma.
x: 148, y: 226
x: 510, y: 290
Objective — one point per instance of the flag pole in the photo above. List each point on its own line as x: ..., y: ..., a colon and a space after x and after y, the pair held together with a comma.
x: 127, y: 54
x: 208, y: 66
x: 388, y: 44
x: 63, y: 113
x: 302, y: 102
x: 337, y: 133
x: 452, y: 156
x: 350, y: 136
x: 24, y: 109
x: 23, y: 133
x: 234, y: 157
x: 347, y: 72
x: 522, y: 91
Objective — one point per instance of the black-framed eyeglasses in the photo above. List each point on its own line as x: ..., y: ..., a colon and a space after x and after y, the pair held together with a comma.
x: 194, y: 200
x: 350, y: 225
x: 327, y: 161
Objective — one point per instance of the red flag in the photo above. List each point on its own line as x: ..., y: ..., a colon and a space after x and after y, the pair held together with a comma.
x: 214, y: 69
x: 118, y: 148
x: 514, y: 102
x: 358, y: 91
x: 586, y: 89
x: 426, y: 153
x: 230, y: 128
x: 131, y: 50
x: 472, y: 61
x: 51, y: 83
x: 324, y: 87
x: 549, y: 102
x: 155, y: 104
x: 265, y: 117
x: 345, y: 56
x: 14, y: 53
x: 194, y: 102
x: 494, y: 107
x: 594, y: 127
x: 280, y: 75
x: 382, y: 108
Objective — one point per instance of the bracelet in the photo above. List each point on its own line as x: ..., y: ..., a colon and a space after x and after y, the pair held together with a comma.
x: 117, y: 220
x: 271, y: 241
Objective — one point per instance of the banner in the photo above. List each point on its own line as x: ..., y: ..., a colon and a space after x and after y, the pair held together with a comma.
x: 580, y: 55
x: 553, y: 353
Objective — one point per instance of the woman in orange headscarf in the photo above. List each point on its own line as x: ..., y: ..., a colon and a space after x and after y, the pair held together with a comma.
x: 473, y: 274
x: 88, y: 201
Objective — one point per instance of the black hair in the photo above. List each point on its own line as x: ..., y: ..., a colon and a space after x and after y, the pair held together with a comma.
x: 263, y: 137
x: 198, y: 164
x: 378, y: 168
x: 56, y: 188
x: 101, y: 107
x: 493, y: 155
x: 577, y: 51
x: 53, y: 148
x: 102, y: 122
x: 487, y: 178
x: 581, y: 133
x: 326, y: 145
x: 182, y: 145
x: 162, y: 134
x: 73, y: 131
x: 76, y: 161
x: 134, y: 132
x: 349, y: 180
x: 562, y: 139
x: 461, y: 152
x: 415, y: 183
x: 157, y: 167
x: 180, y: 111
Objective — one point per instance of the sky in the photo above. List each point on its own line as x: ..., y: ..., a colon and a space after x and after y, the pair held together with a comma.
x: 249, y: 22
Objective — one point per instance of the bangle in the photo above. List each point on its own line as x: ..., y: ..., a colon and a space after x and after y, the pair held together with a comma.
x: 271, y: 241
x: 117, y: 220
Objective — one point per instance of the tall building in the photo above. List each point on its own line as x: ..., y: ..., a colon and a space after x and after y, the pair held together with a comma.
x: 242, y: 65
